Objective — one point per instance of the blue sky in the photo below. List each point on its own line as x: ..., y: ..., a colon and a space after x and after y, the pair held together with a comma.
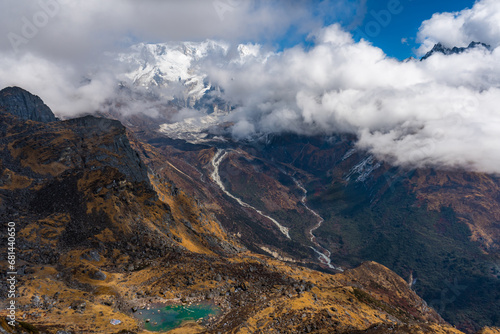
x: 387, y: 33
x: 406, y: 24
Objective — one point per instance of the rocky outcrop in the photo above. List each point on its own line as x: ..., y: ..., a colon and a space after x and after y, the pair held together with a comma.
x: 109, y: 136
x: 25, y: 105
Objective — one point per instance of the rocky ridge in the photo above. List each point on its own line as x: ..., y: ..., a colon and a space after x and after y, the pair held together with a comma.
x: 440, y: 48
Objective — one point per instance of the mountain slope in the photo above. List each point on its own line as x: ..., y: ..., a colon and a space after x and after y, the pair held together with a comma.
x: 100, y: 234
x: 437, y: 228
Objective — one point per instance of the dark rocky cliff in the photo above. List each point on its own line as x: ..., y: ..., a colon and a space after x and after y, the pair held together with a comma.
x: 25, y: 105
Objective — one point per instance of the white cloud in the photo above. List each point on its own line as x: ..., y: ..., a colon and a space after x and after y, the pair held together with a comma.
x: 78, y: 29
x: 48, y: 45
x: 60, y: 86
x: 481, y: 23
x: 441, y: 112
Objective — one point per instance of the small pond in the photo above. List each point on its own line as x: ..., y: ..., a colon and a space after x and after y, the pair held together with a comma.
x: 173, y: 316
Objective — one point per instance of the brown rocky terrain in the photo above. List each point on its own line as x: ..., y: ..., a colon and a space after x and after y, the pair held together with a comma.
x: 107, y: 225
x: 436, y: 228
x: 473, y: 196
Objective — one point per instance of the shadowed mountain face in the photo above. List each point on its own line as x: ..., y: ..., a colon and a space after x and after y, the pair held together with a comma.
x: 436, y: 228
x: 109, y: 221
x: 25, y: 105
x: 62, y: 171
x: 441, y: 49
x: 439, y: 229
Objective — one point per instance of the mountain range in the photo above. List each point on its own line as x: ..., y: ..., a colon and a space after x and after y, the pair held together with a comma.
x: 418, y: 223
x: 286, y: 233
x: 438, y: 226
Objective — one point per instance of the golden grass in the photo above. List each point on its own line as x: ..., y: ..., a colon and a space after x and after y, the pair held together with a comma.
x: 15, y: 181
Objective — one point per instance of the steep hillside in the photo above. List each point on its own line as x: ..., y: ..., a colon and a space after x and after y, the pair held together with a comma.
x: 101, y: 237
x: 436, y: 228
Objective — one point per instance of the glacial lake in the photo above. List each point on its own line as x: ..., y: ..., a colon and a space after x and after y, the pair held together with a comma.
x: 173, y: 316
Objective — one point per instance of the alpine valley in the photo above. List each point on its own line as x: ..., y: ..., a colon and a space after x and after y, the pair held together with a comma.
x: 120, y: 212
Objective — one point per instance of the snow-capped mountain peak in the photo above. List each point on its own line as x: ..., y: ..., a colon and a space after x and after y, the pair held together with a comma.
x: 171, y: 67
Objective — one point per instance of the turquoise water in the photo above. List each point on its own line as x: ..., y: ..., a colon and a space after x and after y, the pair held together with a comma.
x: 171, y: 317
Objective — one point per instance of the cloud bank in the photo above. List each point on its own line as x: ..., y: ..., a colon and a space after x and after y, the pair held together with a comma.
x: 441, y: 112
x: 479, y: 23
x: 78, y: 29
x: 47, y: 46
